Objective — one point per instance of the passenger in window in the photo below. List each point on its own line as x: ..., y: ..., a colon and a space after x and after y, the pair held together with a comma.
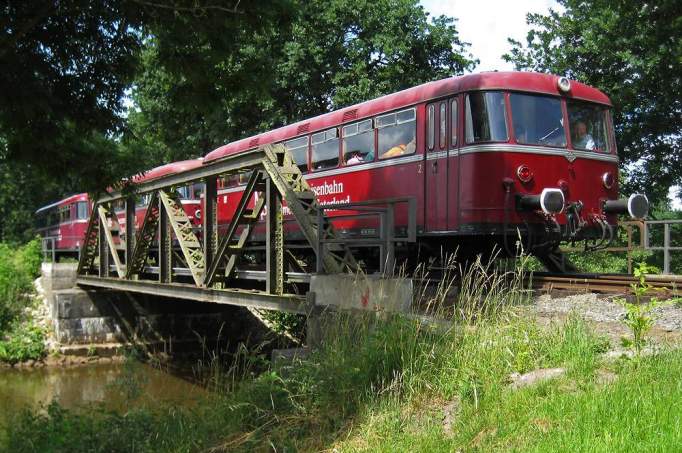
x: 582, y: 139
x: 399, y: 150
x: 355, y: 158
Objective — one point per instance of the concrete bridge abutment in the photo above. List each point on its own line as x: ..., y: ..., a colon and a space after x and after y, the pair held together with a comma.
x: 105, y: 321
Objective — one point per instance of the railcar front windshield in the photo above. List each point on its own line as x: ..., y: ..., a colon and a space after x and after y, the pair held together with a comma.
x: 588, y: 126
x: 485, y: 117
x: 537, y: 120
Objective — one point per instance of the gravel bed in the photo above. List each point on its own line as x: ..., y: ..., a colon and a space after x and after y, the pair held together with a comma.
x: 603, y: 309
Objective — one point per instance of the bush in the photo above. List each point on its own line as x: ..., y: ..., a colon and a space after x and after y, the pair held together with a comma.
x: 25, y: 341
x: 18, y: 268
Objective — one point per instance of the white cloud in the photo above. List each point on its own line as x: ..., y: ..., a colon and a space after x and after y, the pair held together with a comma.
x: 487, y: 24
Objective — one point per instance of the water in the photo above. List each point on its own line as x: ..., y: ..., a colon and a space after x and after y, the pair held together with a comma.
x: 115, y: 386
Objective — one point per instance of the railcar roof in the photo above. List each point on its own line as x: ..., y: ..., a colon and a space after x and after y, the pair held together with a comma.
x: 65, y: 201
x: 512, y: 80
x: 168, y: 169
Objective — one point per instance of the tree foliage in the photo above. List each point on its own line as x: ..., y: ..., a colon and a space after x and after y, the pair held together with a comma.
x: 633, y: 52
x: 64, y: 67
x: 322, y: 56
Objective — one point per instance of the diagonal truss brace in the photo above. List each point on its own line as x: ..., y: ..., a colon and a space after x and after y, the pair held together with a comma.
x: 106, y: 218
x: 89, y: 250
x: 244, y: 217
x: 144, y: 239
x: 182, y: 227
x: 302, y: 202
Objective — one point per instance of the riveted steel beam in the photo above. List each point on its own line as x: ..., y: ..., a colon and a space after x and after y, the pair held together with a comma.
x: 182, y: 227
x: 274, y: 240
x: 89, y: 249
x: 243, y: 217
x: 106, y: 219
x: 245, y: 298
x: 144, y: 239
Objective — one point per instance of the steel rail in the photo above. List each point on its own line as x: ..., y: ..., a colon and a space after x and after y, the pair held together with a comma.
x: 605, y: 283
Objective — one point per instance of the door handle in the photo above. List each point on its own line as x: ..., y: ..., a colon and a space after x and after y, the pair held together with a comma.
x: 434, y: 166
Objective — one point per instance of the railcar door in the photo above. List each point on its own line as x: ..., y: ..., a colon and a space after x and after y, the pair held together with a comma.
x: 453, y: 164
x: 436, y: 166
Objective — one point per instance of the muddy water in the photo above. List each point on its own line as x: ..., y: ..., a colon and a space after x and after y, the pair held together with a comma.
x: 114, y: 386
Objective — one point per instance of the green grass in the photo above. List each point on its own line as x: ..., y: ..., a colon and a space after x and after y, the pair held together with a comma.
x: 382, y: 382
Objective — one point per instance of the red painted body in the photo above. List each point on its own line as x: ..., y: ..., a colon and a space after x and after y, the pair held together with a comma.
x: 458, y: 186
x: 461, y: 189
x: 61, y: 221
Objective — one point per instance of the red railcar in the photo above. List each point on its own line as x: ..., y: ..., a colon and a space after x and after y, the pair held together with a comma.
x: 62, y: 225
x: 190, y: 196
x: 488, y: 157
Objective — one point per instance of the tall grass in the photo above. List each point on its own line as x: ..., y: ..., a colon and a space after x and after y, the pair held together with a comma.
x: 376, y: 383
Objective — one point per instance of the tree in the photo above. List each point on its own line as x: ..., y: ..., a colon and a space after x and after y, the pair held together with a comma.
x: 64, y: 66
x: 197, y: 92
x: 633, y: 52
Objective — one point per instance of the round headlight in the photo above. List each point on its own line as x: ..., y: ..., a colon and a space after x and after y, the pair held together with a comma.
x: 197, y: 213
x: 607, y: 179
x: 564, y: 84
x: 524, y: 174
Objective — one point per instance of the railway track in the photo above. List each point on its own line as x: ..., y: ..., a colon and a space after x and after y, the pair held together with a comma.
x: 669, y: 285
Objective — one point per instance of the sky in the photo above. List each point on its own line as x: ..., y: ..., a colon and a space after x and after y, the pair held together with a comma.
x: 486, y: 25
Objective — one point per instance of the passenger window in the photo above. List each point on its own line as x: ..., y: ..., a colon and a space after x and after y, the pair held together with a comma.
x: 443, y: 126
x: 183, y: 192
x: 358, y: 143
x: 246, y: 175
x: 325, y: 149
x: 397, y: 134
x: 299, y: 151
x: 485, y: 117
x: 431, y: 130
x: 82, y: 210
x: 453, y: 125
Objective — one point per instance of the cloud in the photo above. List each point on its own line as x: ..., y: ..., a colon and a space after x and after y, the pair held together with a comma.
x: 487, y: 24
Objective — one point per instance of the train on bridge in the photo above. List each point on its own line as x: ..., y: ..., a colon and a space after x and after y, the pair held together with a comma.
x: 498, y: 159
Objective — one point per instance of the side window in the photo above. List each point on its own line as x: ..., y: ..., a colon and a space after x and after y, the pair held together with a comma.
x: 358, y: 142
x: 431, y: 126
x: 183, y: 192
x: 443, y: 120
x: 325, y: 149
x: 453, y: 122
x: 82, y: 210
x: 298, y: 148
x: 397, y: 134
x: 485, y: 117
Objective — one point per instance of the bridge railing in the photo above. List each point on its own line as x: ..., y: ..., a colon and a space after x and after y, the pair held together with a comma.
x: 109, y: 260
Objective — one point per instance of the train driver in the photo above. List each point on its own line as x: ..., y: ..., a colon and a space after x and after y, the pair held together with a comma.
x: 582, y: 139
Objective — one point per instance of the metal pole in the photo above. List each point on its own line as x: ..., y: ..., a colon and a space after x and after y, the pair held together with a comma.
x: 666, y: 248
x: 274, y: 241
x: 165, y: 245
x: 390, y: 244
x: 628, y: 228
x: 319, y: 268
x: 103, y: 247
x: 210, y: 219
x: 130, y: 230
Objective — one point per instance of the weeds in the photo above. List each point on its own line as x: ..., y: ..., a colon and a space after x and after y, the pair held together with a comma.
x: 639, y: 318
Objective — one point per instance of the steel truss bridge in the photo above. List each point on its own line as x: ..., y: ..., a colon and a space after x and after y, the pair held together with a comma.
x: 166, y: 256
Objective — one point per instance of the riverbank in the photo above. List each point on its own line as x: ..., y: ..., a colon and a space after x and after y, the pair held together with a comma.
x: 511, y: 380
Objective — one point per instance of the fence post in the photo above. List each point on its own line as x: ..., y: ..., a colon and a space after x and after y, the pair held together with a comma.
x: 666, y: 248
